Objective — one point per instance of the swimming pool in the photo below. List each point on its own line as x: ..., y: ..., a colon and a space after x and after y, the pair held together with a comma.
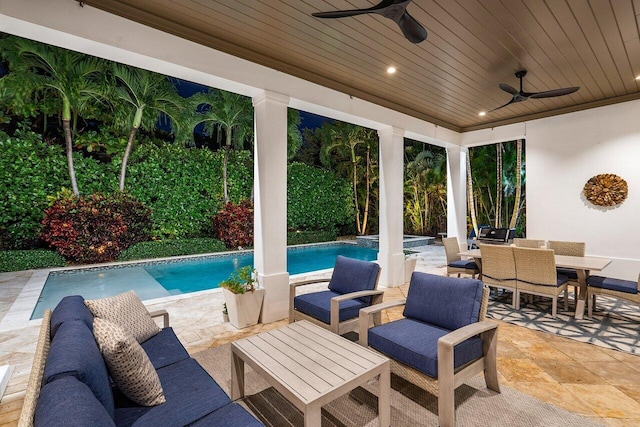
x: 158, y: 279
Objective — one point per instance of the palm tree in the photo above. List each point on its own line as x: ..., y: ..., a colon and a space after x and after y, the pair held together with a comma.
x: 76, y: 80
x: 150, y: 96
x: 344, y: 140
x: 471, y: 200
x: 516, y: 203
x: 498, y: 210
x: 230, y: 112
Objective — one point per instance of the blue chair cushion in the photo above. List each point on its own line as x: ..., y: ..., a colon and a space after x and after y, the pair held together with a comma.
x: 353, y: 275
x: 415, y: 344
x: 190, y: 392
x: 164, y: 349
x: 619, y: 285
x: 318, y: 306
x: 68, y: 401
x: 70, y: 308
x: 231, y: 415
x: 570, y: 273
x: 74, y: 353
x: 447, y: 302
x: 464, y: 263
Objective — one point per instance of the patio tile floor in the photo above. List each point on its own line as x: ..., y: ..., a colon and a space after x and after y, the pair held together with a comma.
x: 593, y: 381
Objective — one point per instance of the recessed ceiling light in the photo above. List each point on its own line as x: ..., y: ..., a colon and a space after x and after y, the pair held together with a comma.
x: 482, y: 113
x: 391, y: 70
x: 638, y: 77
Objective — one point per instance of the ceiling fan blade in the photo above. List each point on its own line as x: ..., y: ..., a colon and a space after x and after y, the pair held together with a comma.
x: 502, y: 106
x: 507, y: 88
x: 341, y: 13
x: 412, y: 29
x: 554, y: 92
x: 353, y: 12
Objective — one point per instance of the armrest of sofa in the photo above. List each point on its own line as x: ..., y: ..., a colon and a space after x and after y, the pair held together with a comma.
x: 292, y: 293
x: 164, y: 314
x: 365, y: 313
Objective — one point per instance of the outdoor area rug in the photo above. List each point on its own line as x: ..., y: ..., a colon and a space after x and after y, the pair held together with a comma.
x: 410, y: 406
x: 615, y: 323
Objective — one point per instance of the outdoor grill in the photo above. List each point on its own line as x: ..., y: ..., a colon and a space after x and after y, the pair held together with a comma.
x: 495, y: 235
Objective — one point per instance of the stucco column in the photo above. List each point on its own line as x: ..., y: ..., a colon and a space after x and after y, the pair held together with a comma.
x: 457, y: 192
x: 270, y: 202
x: 390, y: 254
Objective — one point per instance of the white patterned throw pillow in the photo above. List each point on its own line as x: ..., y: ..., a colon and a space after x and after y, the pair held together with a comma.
x: 128, y: 364
x: 127, y: 311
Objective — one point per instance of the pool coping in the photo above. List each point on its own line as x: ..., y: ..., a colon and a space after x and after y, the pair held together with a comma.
x: 19, y: 314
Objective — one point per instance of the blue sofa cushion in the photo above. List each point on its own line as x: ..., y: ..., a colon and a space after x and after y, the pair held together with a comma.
x: 70, y: 308
x: 353, y: 275
x: 619, y: 285
x: 190, y: 392
x: 569, y: 273
x: 231, y: 415
x: 447, y: 302
x: 74, y: 353
x: 415, y: 344
x: 164, y: 349
x: 464, y: 263
x: 69, y: 402
x: 318, y: 306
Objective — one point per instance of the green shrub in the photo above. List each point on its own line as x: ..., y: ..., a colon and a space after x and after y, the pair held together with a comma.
x: 317, y: 199
x: 175, y: 247
x: 30, y: 172
x: 95, y: 228
x: 234, y: 224
x: 27, y: 260
x: 183, y: 186
x: 310, y: 236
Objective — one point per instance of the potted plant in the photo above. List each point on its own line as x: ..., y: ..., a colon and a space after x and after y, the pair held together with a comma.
x: 242, y: 297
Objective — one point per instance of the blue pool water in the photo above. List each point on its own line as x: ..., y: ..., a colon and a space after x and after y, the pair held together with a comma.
x: 160, y: 279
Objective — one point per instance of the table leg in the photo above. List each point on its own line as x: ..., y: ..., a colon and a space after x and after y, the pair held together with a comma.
x: 384, y: 396
x: 237, y: 377
x: 313, y: 415
x: 582, y: 297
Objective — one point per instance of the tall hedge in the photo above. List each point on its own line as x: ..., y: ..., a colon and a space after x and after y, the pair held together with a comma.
x: 317, y: 199
x: 183, y: 186
x: 31, y: 171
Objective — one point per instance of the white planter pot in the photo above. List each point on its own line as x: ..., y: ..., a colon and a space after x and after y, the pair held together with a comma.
x: 409, y: 267
x: 244, y: 309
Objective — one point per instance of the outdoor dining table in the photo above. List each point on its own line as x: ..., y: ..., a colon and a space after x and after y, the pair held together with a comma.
x: 581, y: 264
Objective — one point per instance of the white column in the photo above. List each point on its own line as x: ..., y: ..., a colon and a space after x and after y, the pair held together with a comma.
x: 270, y: 203
x: 457, y: 192
x: 390, y: 255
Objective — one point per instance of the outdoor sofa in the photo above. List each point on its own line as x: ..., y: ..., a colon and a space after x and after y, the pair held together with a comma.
x: 70, y: 385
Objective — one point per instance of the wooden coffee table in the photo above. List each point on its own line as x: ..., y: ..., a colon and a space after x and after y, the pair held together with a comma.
x: 310, y: 367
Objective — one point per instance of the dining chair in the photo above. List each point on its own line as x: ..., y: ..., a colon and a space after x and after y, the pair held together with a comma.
x: 353, y: 286
x: 607, y: 286
x: 528, y: 243
x: 536, y: 275
x: 499, y: 268
x: 455, y: 263
x: 570, y: 249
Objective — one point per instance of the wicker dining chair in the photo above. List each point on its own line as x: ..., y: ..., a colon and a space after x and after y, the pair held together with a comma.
x: 499, y: 268
x: 617, y: 288
x: 528, y: 243
x: 455, y: 263
x: 569, y: 249
x: 536, y: 274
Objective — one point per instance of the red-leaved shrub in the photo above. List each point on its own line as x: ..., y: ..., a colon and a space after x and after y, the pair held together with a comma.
x: 234, y: 224
x: 95, y: 228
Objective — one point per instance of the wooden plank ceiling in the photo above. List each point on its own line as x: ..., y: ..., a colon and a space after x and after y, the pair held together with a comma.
x: 472, y: 46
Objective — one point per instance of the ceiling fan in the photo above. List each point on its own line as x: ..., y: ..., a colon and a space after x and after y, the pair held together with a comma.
x: 395, y: 10
x: 519, y: 96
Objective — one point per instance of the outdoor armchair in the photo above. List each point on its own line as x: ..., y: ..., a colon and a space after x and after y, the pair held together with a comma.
x: 353, y: 286
x: 617, y: 288
x: 443, y: 339
x: 455, y: 264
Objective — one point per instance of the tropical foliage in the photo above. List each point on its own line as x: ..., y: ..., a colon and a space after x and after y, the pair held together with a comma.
x: 233, y: 224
